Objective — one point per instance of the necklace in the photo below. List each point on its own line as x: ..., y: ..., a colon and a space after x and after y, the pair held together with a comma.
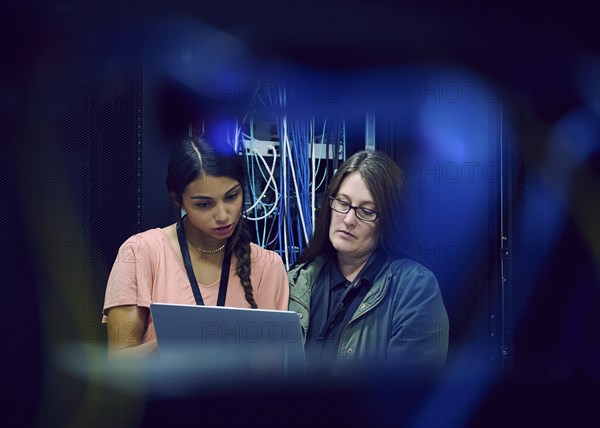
x: 208, y: 251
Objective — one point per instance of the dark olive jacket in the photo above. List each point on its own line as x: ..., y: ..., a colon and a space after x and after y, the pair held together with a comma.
x: 401, y: 320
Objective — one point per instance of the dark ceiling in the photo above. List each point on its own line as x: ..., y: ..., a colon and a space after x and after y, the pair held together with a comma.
x: 531, y: 49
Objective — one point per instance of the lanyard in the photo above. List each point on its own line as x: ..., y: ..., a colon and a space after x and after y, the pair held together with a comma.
x: 187, y: 261
x: 337, y: 308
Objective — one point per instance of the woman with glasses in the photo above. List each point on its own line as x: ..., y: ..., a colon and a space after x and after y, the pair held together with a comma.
x: 359, y: 297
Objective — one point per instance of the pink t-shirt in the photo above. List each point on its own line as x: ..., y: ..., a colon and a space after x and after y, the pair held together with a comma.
x: 147, y: 270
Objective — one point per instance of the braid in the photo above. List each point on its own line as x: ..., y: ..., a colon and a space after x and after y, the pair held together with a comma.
x: 242, y: 254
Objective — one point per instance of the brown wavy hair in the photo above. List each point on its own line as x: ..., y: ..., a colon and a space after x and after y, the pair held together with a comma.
x: 387, y: 184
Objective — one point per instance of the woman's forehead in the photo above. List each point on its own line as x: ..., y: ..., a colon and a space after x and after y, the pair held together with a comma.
x: 211, y: 186
x: 354, y: 187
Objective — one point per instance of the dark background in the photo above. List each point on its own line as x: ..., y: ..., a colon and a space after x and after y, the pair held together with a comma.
x: 75, y: 127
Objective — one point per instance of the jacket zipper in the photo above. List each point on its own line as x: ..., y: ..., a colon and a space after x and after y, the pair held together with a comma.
x: 304, y: 330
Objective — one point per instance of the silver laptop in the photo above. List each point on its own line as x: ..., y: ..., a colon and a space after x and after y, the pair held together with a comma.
x: 222, y: 339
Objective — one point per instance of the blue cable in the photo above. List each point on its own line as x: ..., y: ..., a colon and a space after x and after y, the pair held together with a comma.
x: 253, y: 180
x: 280, y: 218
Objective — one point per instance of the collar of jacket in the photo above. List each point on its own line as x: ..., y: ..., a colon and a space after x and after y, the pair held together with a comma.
x: 303, y: 280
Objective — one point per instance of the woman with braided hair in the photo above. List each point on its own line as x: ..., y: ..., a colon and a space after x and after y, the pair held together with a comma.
x: 206, y: 257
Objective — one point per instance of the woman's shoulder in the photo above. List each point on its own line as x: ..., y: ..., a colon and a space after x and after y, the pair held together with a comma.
x: 412, y: 278
x: 404, y: 263
x: 407, y: 268
x: 307, y: 270
x: 148, y: 237
x: 416, y: 286
x: 144, y: 246
x: 262, y: 256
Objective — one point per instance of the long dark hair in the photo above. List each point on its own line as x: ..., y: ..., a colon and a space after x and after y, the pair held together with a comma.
x: 197, y: 156
x: 387, y: 184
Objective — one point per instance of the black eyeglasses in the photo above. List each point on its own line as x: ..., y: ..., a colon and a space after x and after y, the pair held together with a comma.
x: 360, y: 212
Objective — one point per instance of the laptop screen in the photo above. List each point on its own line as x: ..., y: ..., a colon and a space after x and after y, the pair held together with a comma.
x: 215, y: 338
